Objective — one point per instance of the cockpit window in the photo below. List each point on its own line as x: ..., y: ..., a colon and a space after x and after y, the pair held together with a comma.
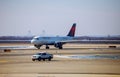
x: 38, y: 54
x: 36, y: 38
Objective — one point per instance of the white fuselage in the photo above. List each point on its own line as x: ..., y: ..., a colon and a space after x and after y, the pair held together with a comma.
x: 56, y: 41
x: 49, y: 40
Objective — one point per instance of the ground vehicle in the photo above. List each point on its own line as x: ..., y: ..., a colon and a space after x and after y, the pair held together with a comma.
x: 42, y: 56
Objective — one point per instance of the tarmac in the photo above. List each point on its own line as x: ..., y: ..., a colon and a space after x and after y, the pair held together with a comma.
x: 75, y: 60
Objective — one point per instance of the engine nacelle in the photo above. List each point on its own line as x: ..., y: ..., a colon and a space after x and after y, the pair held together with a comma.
x: 58, y: 45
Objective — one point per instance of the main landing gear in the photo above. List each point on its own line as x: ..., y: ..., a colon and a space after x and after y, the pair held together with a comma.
x: 47, y: 47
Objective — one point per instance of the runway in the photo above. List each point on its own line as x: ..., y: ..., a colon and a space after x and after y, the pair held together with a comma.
x: 18, y: 62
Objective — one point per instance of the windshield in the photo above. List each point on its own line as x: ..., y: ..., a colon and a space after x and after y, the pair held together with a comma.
x: 36, y: 38
x: 38, y: 54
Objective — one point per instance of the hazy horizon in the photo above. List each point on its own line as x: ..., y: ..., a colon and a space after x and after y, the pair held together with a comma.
x: 55, y: 17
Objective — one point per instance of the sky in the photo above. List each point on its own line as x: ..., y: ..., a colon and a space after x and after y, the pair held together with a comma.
x: 55, y: 17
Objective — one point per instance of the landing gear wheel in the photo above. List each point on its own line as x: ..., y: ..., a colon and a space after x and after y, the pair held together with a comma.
x: 60, y: 47
x: 38, y: 47
x: 47, y: 47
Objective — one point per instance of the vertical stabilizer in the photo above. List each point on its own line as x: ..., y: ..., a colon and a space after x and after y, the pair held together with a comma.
x: 72, y: 30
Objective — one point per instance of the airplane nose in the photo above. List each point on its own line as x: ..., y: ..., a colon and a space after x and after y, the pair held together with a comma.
x: 32, y: 41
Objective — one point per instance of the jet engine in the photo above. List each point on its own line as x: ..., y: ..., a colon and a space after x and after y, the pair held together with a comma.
x: 58, y: 45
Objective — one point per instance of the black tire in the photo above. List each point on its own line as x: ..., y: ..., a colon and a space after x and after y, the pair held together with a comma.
x: 47, y: 47
x: 60, y: 47
x: 39, y: 59
x: 49, y: 59
x: 33, y: 59
x: 38, y: 48
x: 43, y: 59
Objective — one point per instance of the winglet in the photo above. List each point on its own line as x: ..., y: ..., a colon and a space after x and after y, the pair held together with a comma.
x: 72, y: 30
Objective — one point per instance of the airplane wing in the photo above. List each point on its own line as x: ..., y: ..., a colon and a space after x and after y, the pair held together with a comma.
x: 92, y: 41
x: 67, y: 41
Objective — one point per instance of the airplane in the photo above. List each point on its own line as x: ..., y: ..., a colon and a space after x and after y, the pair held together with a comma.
x: 58, y: 42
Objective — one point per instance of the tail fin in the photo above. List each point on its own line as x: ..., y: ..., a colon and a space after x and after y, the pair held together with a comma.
x: 72, y: 30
